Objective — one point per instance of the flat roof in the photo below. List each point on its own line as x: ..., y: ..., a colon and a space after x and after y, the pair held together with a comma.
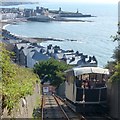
x: 87, y: 70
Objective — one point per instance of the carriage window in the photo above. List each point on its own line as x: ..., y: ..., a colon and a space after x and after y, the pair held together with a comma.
x: 104, y: 77
x: 70, y: 78
x: 85, y: 76
x: 93, y: 76
x: 78, y: 81
x: 99, y: 77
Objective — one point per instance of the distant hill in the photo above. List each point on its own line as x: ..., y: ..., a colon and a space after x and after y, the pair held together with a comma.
x: 15, y: 3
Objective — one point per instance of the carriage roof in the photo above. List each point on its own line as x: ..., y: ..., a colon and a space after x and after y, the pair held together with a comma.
x: 87, y: 70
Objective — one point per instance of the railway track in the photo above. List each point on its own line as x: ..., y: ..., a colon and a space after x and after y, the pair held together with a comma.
x: 90, y: 116
x: 55, y: 109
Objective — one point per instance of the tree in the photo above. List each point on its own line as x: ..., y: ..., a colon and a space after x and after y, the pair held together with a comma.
x: 116, y: 54
x: 116, y: 64
x: 116, y: 76
x: 53, y: 69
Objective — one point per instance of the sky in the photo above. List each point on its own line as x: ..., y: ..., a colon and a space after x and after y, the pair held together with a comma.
x: 83, y: 1
x: 58, y: 1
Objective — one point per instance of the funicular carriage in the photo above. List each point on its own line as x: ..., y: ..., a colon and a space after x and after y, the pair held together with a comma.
x: 86, y: 89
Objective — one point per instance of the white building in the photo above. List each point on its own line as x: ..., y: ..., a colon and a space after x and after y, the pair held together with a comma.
x: 6, y: 16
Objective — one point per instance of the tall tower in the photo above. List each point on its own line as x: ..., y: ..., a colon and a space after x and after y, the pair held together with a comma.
x: 37, y: 9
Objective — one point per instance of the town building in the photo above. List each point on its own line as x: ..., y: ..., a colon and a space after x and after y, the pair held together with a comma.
x: 5, y: 16
x: 28, y: 54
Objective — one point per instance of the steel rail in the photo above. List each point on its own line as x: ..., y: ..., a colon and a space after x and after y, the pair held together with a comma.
x: 80, y: 116
x: 61, y: 108
x: 42, y: 107
x: 84, y: 117
x: 57, y: 103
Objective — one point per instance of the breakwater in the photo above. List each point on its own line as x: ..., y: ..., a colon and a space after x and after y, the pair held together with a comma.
x: 42, y: 18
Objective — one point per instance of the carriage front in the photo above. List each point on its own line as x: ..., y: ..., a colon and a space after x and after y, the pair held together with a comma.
x: 86, y: 85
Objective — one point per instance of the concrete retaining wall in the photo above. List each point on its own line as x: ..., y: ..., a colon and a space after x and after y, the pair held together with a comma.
x: 114, y: 99
x: 60, y: 91
x: 26, y: 106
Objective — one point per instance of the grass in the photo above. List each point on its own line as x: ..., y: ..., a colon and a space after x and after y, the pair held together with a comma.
x: 37, y: 109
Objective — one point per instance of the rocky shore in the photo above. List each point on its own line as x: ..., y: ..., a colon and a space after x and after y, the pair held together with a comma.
x: 7, y: 36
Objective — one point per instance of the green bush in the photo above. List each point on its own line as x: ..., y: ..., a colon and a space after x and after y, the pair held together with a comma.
x: 17, y: 82
x: 53, y: 69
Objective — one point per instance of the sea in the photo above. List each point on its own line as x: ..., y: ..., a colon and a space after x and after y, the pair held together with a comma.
x: 91, y: 38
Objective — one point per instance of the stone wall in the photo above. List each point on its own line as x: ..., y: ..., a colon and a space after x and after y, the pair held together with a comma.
x: 114, y: 99
x: 26, y: 105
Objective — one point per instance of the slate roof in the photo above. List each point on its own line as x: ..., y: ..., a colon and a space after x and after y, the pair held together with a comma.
x: 39, y: 56
x: 22, y: 45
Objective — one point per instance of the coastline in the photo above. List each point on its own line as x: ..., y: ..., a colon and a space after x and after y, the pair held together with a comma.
x: 11, y: 21
x: 4, y: 24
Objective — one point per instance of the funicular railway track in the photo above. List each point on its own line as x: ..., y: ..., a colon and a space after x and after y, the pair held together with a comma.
x: 95, y: 116
x: 55, y: 109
